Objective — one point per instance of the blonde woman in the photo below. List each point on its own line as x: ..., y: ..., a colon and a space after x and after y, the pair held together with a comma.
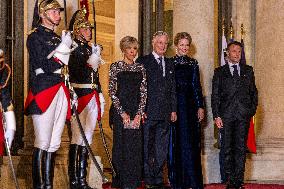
x: 127, y: 89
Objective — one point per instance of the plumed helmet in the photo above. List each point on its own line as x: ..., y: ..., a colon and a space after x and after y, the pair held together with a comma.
x: 44, y: 5
x: 41, y: 6
x: 79, y: 20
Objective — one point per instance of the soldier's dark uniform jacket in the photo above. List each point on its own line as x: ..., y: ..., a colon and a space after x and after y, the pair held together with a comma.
x: 82, y: 73
x: 5, y: 95
x: 5, y: 98
x: 44, y: 86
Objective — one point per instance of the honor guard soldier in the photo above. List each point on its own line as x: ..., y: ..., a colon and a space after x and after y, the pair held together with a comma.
x: 84, y: 78
x: 48, y: 101
x: 8, y: 123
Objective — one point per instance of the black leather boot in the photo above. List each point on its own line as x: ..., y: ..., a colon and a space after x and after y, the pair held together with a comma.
x: 83, y: 164
x: 49, y: 163
x: 37, y: 169
x: 73, y: 166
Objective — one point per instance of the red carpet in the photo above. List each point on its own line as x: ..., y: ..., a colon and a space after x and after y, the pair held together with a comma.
x: 248, y: 186
x: 221, y: 186
x: 213, y: 186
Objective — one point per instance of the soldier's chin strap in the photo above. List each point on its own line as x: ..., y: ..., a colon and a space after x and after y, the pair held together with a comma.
x: 81, y: 37
x: 50, y: 20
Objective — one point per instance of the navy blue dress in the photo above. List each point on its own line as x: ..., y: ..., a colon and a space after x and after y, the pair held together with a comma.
x: 185, y: 169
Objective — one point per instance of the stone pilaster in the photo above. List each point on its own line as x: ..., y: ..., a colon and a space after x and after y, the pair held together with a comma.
x: 126, y: 22
x: 242, y: 13
x: 269, y: 79
x: 3, y: 24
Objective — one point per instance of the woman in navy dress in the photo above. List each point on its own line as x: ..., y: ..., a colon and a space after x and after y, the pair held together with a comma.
x: 185, y: 169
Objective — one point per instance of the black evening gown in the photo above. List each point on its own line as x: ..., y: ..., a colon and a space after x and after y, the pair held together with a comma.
x: 185, y: 169
x: 128, y: 92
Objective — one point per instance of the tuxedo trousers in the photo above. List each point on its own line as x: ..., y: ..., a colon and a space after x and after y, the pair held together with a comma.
x: 156, y: 142
x: 233, y: 148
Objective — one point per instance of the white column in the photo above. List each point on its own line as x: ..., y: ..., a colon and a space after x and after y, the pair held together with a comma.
x: 199, y: 19
x: 242, y: 11
x: 263, y: 21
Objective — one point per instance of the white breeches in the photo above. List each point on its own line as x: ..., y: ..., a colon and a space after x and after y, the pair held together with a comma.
x: 88, y: 118
x: 48, y: 127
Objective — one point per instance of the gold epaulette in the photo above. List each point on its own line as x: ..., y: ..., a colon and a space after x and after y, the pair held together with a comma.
x: 33, y: 30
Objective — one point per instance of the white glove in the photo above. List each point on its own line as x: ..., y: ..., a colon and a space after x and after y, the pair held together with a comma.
x: 62, y: 52
x: 102, y: 102
x: 10, y: 126
x: 74, y: 100
x: 66, y: 38
x: 95, y: 59
x: 96, y: 49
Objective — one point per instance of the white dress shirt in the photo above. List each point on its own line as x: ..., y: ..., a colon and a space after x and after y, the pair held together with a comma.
x: 163, y: 62
x: 232, y: 68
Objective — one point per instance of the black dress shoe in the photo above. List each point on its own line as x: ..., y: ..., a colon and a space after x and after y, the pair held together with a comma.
x: 230, y: 186
x: 149, y: 186
x: 154, y: 186
x: 240, y: 187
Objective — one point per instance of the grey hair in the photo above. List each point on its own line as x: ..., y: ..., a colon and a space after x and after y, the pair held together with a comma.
x: 160, y: 33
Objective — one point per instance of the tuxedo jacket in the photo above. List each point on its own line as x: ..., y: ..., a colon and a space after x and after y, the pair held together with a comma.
x: 234, y: 97
x: 161, y: 91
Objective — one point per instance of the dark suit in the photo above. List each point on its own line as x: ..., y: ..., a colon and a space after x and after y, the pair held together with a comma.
x: 161, y: 101
x: 234, y: 100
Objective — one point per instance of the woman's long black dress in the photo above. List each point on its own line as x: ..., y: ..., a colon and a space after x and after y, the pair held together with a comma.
x: 185, y: 169
x: 127, y: 89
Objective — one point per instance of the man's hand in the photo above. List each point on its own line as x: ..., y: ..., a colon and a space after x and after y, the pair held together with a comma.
x: 173, y: 116
x: 219, y: 123
x: 200, y: 114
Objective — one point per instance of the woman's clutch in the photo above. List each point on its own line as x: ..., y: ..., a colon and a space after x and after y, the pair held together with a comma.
x: 131, y: 125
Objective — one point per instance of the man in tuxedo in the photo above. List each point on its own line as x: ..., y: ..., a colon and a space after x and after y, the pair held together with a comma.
x: 234, y: 102
x: 160, y: 109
